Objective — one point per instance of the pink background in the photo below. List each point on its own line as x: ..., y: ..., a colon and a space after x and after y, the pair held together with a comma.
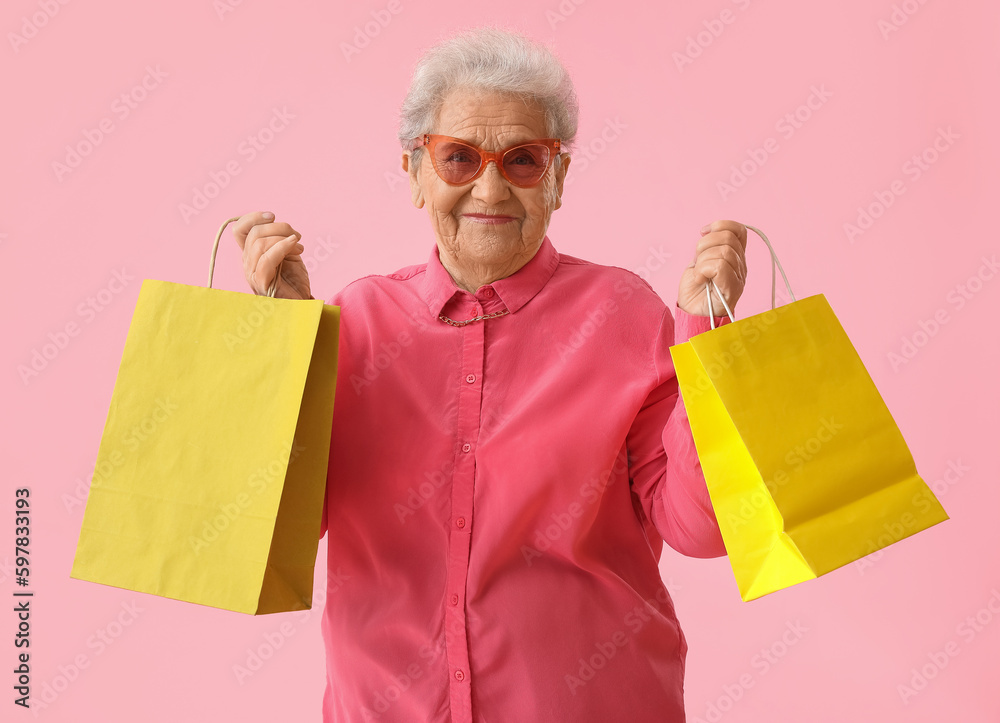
x: 671, y: 133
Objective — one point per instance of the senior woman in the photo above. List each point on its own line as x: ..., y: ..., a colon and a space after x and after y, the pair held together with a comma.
x: 509, y: 447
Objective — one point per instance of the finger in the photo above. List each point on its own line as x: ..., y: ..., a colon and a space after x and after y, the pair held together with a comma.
x: 253, y: 253
x: 265, y: 248
x: 721, y: 270
x: 247, y: 221
x: 726, y: 225
x: 268, y: 264
x: 733, y: 256
x: 727, y: 290
x: 264, y: 230
x: 258, y: 244
x: 275, y: 228
x: 728, y: 237
x: 728, y: 244
x: 737, y: 228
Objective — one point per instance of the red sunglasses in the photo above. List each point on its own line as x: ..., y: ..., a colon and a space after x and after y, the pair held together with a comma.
x: 458, y: 162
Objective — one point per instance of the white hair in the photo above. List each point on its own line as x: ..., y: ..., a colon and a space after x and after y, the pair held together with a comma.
x: 490, y: 60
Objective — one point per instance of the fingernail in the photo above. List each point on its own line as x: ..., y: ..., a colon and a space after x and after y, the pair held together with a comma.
x: 268, y: 216
x: 706, y: 228
x: 292, y: 236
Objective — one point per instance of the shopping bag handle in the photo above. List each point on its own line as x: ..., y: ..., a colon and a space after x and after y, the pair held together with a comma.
x: 774, y: 261
x: 211, y: 267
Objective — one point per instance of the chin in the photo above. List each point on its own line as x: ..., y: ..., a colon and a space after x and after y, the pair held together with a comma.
x: 492, y: 250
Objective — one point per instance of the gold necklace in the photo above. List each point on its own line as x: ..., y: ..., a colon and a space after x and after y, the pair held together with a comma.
x: 494, y: 315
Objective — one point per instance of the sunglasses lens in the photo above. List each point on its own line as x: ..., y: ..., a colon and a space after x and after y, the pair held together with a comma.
x: 525, y: 165
x: 456, y: 162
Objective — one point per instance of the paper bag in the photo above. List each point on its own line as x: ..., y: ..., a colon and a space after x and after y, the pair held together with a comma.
x: 211, y: 471
x: 806, y: 469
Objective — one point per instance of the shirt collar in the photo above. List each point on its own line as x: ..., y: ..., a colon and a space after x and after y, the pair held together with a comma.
x: 514, y: 291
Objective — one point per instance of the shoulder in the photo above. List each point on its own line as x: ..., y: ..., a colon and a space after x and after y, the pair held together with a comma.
x: 373, y: 286
x: 618, y: 284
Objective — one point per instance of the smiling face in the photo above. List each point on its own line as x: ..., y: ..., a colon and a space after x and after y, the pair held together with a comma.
x: 487, y: 229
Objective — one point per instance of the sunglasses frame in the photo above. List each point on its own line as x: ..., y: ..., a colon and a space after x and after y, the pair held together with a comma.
x: 430, y: 140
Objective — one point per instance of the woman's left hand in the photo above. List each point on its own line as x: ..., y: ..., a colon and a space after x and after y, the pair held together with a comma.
x: 720, y: 255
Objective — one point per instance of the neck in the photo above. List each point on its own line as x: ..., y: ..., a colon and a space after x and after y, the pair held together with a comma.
x: 472, y: 277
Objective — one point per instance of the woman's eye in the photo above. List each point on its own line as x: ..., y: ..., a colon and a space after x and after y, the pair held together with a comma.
x: 522, y: 158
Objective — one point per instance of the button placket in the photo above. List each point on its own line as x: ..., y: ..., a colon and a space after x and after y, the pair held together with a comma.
x: 469, y: 380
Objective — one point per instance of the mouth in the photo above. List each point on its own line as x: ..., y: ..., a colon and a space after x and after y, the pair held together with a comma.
x: 488, y: 218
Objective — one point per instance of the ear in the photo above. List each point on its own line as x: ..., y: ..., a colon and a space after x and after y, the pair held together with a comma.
x: 561, y: 167
x: 413, y: 170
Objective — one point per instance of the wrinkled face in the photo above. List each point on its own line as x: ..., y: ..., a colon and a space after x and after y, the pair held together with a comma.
x: 488, y: 225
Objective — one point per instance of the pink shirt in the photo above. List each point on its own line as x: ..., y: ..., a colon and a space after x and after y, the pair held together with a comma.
x: 499, y: 494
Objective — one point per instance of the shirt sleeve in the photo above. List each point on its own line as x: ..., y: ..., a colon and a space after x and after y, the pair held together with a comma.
x: 663, y: 461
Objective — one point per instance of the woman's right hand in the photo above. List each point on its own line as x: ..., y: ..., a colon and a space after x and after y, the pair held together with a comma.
x: 265, y: 244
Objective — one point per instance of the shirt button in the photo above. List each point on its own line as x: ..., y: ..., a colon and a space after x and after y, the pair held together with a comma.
x: 471, y: 378
x: 488, y: 293
x: 466, y: 447
x: 454, y: 599
x: 460, y: 522
x: 459, y: 675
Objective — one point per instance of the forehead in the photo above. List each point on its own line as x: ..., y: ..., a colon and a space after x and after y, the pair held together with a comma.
x: 490, y: 120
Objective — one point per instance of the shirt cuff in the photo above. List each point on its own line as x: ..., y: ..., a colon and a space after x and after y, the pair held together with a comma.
x: 687, y: 325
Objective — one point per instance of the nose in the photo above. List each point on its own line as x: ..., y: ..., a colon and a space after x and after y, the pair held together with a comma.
x: 491, y: 187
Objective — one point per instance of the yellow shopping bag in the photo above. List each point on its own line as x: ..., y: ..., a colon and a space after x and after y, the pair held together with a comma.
x: 210, y: 477
x: 805, y: 466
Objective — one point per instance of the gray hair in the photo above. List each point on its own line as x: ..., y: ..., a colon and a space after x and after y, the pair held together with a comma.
x: 493, y: 60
